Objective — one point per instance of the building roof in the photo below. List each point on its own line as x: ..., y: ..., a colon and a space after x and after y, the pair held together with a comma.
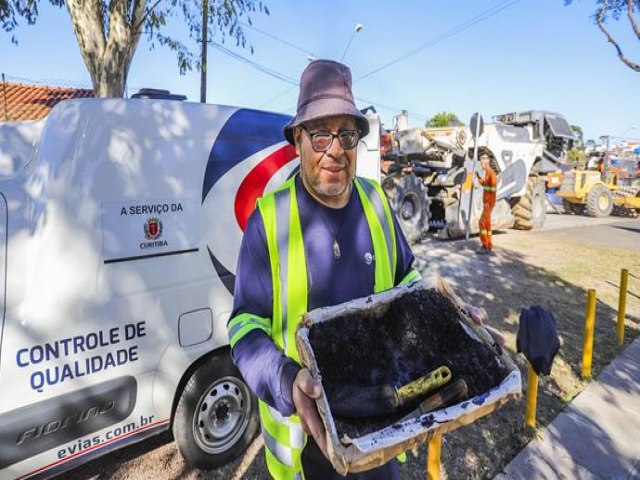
x: 20, y: 101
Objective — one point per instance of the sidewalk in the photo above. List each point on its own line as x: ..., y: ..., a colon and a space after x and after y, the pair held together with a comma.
x: 597, y: 436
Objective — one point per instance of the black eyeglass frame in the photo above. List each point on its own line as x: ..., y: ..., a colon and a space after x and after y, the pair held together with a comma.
x: 312, y: 134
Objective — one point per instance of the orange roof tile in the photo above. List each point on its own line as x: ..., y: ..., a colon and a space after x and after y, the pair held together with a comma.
x: 19, y: 101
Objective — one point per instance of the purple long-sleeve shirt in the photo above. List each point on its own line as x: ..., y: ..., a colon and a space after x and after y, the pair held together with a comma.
x: 267, y: 371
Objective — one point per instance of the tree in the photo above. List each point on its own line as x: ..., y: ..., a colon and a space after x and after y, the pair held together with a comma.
x: 108, y: 31
x: 444, y: 119
x: 577, y: 157
x: 615, y: 9
x: 578, y: 131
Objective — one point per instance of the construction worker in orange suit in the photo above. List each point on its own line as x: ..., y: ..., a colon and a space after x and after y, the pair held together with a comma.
x: 489, y: 184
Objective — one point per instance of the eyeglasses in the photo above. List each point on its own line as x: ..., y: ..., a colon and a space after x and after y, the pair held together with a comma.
x: 322, y: 140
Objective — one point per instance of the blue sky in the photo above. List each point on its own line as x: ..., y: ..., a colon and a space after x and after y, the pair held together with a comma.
x: 516, y: 55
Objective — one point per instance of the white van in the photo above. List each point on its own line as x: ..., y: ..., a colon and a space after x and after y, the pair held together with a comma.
x: 120, y: 226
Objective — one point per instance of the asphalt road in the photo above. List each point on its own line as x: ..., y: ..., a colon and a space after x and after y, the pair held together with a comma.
x: 614, y: 232
x: 611, y: 232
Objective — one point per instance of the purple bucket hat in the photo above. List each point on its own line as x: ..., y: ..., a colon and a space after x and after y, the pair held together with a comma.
x: 325, y: 91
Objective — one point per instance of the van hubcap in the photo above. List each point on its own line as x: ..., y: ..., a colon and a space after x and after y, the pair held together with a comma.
x: 222, y: 415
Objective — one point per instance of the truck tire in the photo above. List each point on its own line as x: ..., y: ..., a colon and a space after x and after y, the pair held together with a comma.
x: 408, y: 201
x: 599, y: 201
x: 531, y: 211
x: 217, y: 416
x: 572, y: 208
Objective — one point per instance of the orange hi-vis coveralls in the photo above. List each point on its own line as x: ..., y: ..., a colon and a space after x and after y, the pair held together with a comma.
x: 489, y: 184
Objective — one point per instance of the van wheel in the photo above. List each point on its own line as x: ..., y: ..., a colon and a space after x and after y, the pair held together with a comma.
x: 217, y: 416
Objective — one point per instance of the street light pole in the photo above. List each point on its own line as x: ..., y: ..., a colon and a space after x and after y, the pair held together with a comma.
x: 355, y: 30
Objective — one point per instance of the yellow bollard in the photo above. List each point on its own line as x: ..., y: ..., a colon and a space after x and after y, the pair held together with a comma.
x: 589, y: 321
x: 622, y: 305
x: 433, y: 458
x: 532, y: 398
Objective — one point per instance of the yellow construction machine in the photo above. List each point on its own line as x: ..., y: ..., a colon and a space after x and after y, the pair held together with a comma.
x: 585, y: 191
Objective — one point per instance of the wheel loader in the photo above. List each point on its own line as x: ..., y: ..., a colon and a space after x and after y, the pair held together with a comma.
x: 585, y: 191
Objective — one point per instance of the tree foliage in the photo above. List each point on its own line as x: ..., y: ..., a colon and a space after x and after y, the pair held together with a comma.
x: 108, y: 31
x: 577, y: 129
x: 444, y: 119
x: 616, y: 9
x: 576, y: 156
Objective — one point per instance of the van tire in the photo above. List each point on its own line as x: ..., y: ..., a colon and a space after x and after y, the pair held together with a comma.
x: 217, y: 416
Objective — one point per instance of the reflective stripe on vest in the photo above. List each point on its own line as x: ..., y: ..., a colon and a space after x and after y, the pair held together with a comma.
x: 379, y: 219
x: 284, y: 440
x: 284, y: 437
x: 242, y: 324
x: 412, y: 276
x: 489, y: 189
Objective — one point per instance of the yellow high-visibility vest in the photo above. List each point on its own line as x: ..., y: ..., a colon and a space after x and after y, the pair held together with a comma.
x: 284, y: 437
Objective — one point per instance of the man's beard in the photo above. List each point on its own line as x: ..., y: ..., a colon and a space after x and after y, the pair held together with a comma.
x: 329, y: 191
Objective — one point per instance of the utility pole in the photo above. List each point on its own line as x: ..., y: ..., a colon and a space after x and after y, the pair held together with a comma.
x: 203, y: 59
x: 605, y: 139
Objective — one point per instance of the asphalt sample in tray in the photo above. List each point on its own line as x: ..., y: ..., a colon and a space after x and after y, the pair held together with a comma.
x: 418, y: 333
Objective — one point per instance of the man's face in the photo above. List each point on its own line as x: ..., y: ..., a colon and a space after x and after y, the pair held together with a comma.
x: 327, y: 175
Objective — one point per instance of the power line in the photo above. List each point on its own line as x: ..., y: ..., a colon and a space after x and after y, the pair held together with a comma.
x: 434, y: 41
x: 450, y: 33
x: 277, y: 39
x: 291, y: 81
x: 280, y: 95
x: 390, y: 108
x: 51, y: 82
x: 284, y: 42
x: 256, y: 65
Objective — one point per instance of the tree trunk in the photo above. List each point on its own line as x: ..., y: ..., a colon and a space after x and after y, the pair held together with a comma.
x: 107, y: 55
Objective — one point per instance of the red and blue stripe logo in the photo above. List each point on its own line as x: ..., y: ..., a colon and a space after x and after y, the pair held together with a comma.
x: 243, y: 137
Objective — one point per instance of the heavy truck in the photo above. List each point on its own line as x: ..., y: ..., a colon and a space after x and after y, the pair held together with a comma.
x: 427, y: 172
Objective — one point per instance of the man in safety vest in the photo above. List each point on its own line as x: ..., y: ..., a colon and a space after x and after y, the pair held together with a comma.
x: 489, y: 184
x: 323, y: 238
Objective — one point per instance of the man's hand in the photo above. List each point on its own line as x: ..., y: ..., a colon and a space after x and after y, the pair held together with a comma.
x: 305, y: 390
x: 479, y: 316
